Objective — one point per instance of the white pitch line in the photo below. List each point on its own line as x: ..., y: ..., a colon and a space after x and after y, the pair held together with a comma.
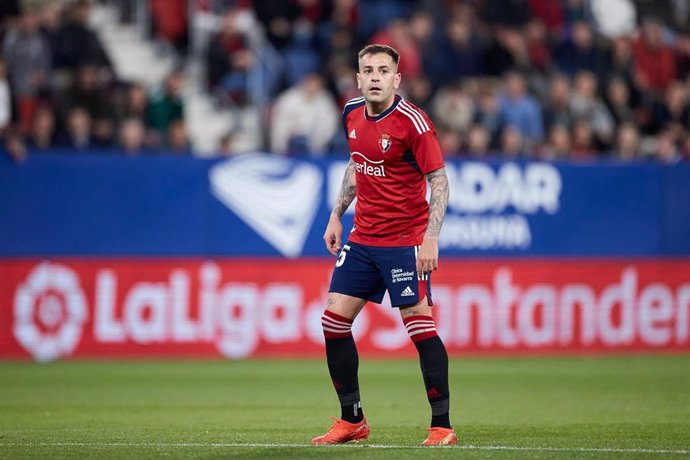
x: 357, y: 446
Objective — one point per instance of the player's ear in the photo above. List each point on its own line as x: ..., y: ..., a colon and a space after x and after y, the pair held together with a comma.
x: 359, y: 80
x: 397, y: 80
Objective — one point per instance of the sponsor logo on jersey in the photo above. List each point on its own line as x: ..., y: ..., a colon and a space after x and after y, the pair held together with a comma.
x: 385, y: 143
x: 368, y: 167
x: 277, y: 197
x: 353, y: 134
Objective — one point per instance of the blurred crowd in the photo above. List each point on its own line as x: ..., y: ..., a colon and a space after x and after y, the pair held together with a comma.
x: 547, y: 79
x: 59, y: 88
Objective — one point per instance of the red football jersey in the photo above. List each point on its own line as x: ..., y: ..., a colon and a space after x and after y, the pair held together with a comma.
x: 392, y: 153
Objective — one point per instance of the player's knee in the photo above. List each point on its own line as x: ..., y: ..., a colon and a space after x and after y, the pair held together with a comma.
x: 335, y: 326
x: 420, y: 327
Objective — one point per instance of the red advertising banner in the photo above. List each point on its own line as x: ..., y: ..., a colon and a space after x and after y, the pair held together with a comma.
x: 235, y: 308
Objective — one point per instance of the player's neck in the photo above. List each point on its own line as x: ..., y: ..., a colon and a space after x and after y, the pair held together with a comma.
x: 374, y: 109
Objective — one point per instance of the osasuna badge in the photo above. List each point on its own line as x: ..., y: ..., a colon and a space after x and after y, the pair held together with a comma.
x: 385, y: 142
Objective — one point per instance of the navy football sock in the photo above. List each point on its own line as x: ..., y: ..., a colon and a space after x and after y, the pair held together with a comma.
x: 433, y: 360
x: 343, y: 363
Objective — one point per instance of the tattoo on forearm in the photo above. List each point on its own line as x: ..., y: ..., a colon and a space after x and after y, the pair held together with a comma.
x: 348, y: 191
x: 438, y: 201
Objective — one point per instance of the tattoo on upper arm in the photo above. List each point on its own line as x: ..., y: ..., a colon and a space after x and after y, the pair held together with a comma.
x: 348, y: 190
x: 438, y: 201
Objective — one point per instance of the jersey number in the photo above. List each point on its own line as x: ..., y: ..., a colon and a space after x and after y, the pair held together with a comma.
x: 342, y: 255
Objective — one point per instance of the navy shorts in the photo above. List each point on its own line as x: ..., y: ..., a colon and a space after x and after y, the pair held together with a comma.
x: 366, y: 272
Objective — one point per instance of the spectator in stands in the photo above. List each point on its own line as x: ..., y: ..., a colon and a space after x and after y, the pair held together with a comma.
x: 304, y: 118
x: 673, y: 112
x: 229, y: 60
x: 683, y: 55
x: 419, y: 91
x: 578, y: 52
x: 488, y: 113
x: 277, y: 17
x: 520, y: 110
x: 135, y: 103
x: 627, y: 146
x: 558, y: 144
x: 397, y: 34
x: 655, y: 61
x: 450, y: 142
x: 585, y: 103
x: 14, y: 145
x: 557, y: 105
x: 620, y: 61
x: 512, y: 142
x: 584, y: 145
x: 550, y: 14
x: 28, y: 56
x: 166, y: 105
x: 453, y: 108
x: 574, y: 11
x: 76, y: 45
x: 78, y: 130
x: 103, y: 133
x: 667, y: 151
x: 51, y: 15
x: 178, y: 142
x: 88, y: 92
x: 422, y: 28
x: 618, y: 101
x: 460, y: 54
x: 344, y: 86
x: 132, y: 136
x: 169, y: 18
x: 507, y: 50
x: 685, y: 149
x: 538, y: 49
x: 5, y: 99
x: 478, y: 141
x: 44, y: 130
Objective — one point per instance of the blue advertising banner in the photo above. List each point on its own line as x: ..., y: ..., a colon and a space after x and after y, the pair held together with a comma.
x: 264, y: 205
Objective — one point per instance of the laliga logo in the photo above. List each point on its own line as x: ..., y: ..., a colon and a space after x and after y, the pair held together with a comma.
x: 277, y: 197
x: 49, y: 312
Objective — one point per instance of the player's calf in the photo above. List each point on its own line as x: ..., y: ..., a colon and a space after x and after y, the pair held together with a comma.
x: 433, y: 359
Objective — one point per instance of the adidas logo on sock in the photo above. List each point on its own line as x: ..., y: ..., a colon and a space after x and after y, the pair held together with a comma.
x: 407, y: 292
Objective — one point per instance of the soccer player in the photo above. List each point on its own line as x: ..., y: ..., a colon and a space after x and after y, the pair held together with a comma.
x: 394, y: 243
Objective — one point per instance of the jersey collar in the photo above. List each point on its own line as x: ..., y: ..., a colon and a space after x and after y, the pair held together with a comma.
x: 384, y: 114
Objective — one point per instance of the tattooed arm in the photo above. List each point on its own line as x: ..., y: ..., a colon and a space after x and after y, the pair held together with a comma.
x: 427, y: 258
x: 438, y: 201
x: 334, y: 229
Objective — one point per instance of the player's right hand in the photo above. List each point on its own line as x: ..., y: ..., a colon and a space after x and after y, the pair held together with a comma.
x: 331, y: 237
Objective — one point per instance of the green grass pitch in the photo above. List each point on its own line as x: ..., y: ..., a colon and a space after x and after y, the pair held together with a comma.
x: 543, y: 408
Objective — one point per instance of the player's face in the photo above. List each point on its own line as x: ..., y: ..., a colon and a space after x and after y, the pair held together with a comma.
x: 377, y: 77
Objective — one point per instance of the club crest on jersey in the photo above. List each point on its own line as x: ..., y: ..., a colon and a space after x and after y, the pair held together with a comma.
x: 385, y: 142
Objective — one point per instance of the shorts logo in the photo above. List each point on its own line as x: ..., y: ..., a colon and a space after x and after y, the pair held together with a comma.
x: 385, y: 142
x: 407, y: 292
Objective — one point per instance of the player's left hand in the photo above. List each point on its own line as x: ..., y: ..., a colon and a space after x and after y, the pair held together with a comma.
x: 427, y: 257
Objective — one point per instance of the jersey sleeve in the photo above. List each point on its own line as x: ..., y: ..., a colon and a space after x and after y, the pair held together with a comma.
x: 424, y: 145
x: 351, y: 105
